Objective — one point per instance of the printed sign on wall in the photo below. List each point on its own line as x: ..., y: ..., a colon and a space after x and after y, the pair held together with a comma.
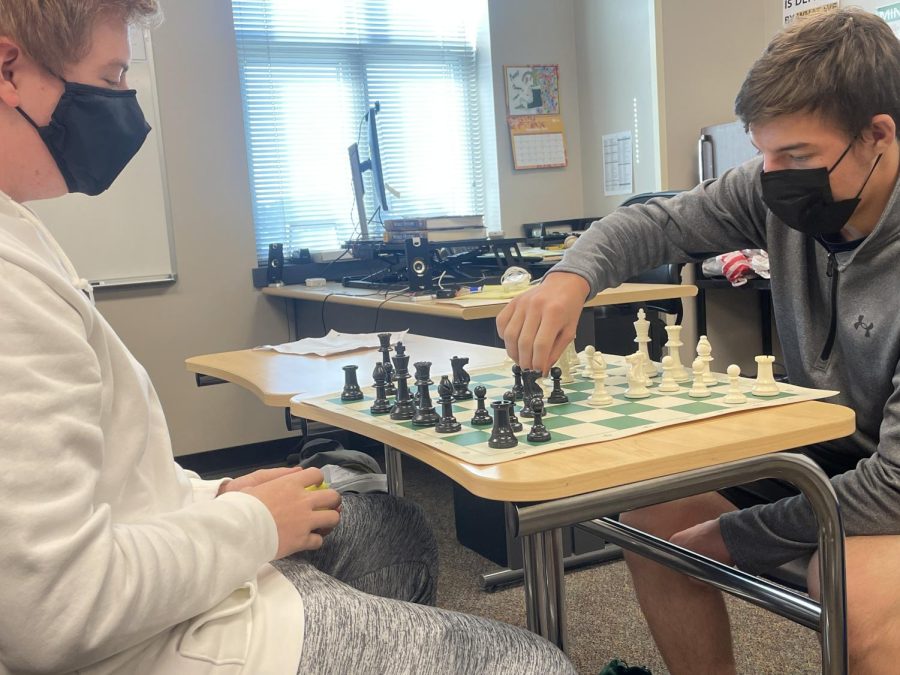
x: 796, y: 8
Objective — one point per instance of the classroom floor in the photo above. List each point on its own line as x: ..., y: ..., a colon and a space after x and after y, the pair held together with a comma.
x: 604, y: 619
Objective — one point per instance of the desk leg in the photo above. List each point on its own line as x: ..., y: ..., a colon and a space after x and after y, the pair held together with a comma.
x: 545, y: 590
x: 394, y: 470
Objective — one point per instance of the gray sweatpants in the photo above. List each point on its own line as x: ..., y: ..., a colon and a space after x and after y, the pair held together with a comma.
x: 358, y: 592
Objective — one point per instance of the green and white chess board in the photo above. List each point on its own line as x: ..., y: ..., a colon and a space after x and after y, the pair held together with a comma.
x: 570, y: 424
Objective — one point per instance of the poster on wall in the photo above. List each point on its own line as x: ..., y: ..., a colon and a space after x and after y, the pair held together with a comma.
x: 617, y: 164
x: 891, y: 14
x: 797, y: 8
x: 532, y: 90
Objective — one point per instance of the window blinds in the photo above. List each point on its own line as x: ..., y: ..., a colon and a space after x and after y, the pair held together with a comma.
x: 309, y: 69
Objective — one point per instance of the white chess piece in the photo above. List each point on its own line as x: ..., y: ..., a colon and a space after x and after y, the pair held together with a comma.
x: 587, y: 371
x: 765, y: 378
x: 704, y: 353
x: 698, y: 388
x: 645, y: 359
x: 636, y: 377
x: 565, y: 365
x: 668, y: 385
x: 734, y: 396
x: 642, y: 338
x: 572, y: 353
x: 600, y: 397
x: 674, y: 344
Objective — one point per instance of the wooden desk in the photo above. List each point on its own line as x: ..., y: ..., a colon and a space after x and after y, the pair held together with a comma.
x: 590, y: 481
x: 363, y: 310
x: 275, y: 378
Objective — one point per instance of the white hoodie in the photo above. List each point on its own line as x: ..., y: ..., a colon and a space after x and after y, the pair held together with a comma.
x: 112, y: 558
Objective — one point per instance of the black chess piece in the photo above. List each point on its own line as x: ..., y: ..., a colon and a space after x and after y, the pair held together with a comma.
x: 461, y: 378
x: 482, y: 417
x: 389, y: 388
x: 403, y: 409
x: 381, y: 404
x: 538, y: 433
x: 518, y: 389
x: 425, y: 415
x: 351, y: 391
x: 557, y: 395
x: 502, y: 435
x: 448, y: 423
x: 514, y: 422
x: 527, y: 395
x: 384, y: 346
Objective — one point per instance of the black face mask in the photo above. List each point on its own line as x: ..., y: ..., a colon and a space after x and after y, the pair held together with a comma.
x: 93, y: 134
x: 802, y: 199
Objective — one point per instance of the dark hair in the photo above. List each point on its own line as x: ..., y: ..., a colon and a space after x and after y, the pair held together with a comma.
x: 843, y: 64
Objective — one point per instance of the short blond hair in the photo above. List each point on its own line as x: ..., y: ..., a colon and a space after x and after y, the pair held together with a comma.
x: 842, y: 64
x: 56, y: 33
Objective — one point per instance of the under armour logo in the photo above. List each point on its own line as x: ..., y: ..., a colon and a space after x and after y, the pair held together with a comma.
x: 861, y: 324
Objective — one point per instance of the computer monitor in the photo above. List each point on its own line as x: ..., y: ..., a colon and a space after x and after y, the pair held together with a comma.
x: 373, y: 164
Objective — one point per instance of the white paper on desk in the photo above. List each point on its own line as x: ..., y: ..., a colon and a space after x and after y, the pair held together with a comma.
x: 333, y: 343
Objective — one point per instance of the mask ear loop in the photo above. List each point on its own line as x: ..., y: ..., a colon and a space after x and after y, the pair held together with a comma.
x: 843, y: 154
x: 871, y: 171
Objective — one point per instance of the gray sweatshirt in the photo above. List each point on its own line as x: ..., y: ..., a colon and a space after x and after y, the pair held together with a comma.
x: 839, y: 324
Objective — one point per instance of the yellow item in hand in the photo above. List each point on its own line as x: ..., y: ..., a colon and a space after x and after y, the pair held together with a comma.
x: 321, y: 486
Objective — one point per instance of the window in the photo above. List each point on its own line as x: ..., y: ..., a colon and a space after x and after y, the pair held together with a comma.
x: 309, y: 70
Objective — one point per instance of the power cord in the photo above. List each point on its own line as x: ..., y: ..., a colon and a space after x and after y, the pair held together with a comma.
x: 387, y: 296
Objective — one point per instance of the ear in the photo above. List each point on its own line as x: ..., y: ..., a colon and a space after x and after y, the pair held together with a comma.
x: 10, y: 60
x: 883, y: 131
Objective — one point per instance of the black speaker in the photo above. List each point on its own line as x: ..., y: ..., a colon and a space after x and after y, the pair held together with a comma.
x: 275, y: 265
x: 418, y: 264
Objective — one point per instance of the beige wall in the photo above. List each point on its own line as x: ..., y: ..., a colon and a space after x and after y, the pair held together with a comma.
x: 616, y: 92
x: 213, y: 306
x: 536, y: 32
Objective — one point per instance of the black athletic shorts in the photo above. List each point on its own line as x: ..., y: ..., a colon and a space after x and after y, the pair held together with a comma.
x: 771, y: 490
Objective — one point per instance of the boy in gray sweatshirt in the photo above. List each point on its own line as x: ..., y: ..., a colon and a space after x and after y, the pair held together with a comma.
x: 822, y: 104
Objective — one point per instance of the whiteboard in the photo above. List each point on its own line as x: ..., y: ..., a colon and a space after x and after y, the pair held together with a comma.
x: 123, y: 236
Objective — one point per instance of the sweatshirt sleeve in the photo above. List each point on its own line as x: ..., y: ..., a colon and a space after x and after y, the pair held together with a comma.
x: 763, y: 537
x: 717, y: 216
x: 78, y: 586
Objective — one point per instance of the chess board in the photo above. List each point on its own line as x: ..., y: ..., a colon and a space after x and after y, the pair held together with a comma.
x: 570, y: 424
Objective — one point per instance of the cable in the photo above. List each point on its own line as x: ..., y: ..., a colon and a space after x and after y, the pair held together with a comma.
x: 324, y: 325
x: 387, y: 296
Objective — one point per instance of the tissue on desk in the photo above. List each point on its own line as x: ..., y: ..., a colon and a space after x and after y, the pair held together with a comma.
x: 333, y: 343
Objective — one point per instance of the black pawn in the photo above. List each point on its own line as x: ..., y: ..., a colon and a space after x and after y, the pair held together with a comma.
x: 518, y: 389
x: 538, y: 433
x: 447, y: 424
x: 502, y: 435
x: 482, y: 417
x: 351, y: 390
x: 514, y: 422
x: 381, y: 404
x: 557, y: 395
x: 461, y: 378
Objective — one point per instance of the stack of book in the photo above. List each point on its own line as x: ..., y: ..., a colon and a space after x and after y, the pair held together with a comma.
x: 435, y: 228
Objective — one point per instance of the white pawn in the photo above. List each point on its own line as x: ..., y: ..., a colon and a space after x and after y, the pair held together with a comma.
x: 674, y: 344
x: 600, y: 397
x: 704, y: 353
x: 636, y: 377
x: 765, y: 378
x: 668, y: 384
x: 734, y: 396
x: 588, y: 371
x: 698, y: 388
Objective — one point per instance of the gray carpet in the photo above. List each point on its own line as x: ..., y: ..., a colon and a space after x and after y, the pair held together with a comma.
x: 603, y: 615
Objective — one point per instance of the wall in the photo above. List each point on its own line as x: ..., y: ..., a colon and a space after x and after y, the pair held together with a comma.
x: 213, y: 306
x: 536, y: 32
x: 617, y: 92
